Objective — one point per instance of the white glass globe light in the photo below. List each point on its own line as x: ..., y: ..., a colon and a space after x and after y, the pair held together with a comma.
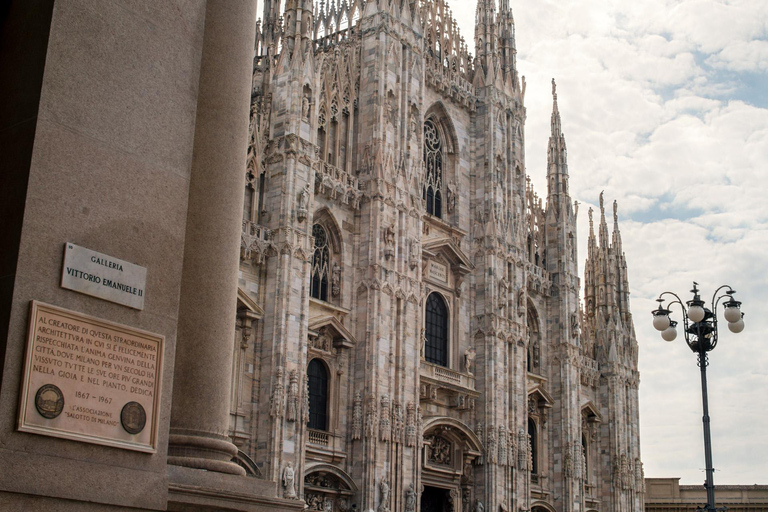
x: 660, y: 322
x: 732, y: 313
x: 736, y: 327
x: 669, y: 334
x: 696, y: 313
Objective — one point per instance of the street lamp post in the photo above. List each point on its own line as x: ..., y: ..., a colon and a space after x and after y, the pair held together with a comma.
x: 700, y: 330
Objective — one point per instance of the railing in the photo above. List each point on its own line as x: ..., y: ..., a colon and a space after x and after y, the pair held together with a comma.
x: 447, y: 376
x: 318, y: 437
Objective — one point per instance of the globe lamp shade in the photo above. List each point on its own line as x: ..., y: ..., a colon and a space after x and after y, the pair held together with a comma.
x: 669, y: 334
x: 736, y: 327
x: 732, y: 312
x: 696, y: 313
x: 660, y: 321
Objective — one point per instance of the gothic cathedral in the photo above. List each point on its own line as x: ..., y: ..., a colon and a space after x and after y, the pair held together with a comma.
x: 410, y: 336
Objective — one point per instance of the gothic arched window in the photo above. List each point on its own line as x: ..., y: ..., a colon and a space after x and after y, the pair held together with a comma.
x: 321, y: 261
x: 585, y: 451
x: 318, y: 395
x: 436, y: 330
x: 534, y: 434
x: 434, y: 159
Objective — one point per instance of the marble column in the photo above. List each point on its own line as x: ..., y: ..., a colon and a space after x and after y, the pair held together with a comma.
x: 207, y: 310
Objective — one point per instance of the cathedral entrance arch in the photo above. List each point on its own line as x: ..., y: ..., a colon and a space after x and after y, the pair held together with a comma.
x: 448, y: 452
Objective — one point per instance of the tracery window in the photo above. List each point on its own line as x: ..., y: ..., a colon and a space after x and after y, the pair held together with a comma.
x: 434, y: 157
x: 436, y: 330
x: 321, y: 261
x: 318, y: 395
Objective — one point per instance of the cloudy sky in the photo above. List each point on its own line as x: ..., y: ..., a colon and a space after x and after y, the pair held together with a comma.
x: 664, y: 106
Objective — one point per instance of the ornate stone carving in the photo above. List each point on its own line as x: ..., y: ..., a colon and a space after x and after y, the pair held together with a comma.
x: 490, y: 449
x: 410, y: 425
x: 397, y: 422
x: 370, y: 416
x: 357, y: 415
x: 277, y: 400
x: 293, y: 396
x: 503, y: 453
x: 385, y: 425
x: 523, y: 447
x: 305, y: 412
x: 439, y: 450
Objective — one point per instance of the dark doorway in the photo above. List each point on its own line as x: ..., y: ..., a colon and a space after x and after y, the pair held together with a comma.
x: 434, y: 499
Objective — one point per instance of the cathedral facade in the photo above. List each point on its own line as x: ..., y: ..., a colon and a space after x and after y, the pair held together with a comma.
x: 410, y: 332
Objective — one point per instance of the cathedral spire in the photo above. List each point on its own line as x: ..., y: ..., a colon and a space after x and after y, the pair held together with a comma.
x: 555, y: 122
x: 485, y: 33
x: 616, y: 241
x: 557, y: 160
x: 603, y: 224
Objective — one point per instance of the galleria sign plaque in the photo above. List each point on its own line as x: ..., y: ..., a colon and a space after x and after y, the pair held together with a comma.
x: 91, y: 380
x: 103, y: 276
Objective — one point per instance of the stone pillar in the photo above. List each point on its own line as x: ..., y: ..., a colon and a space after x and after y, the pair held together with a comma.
x: 206, y: 329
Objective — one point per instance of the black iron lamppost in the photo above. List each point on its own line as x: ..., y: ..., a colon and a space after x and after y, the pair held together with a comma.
x: 700, y: 329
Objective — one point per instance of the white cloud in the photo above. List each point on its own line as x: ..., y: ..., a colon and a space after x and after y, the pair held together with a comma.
x: 646, y: 91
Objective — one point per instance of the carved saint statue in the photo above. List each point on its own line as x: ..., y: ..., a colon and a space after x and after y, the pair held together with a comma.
x: 469, y: 359
x: 336, y: 279
x: 288, y: 482
x: 384, y: 490
x: 410, y: 499
x: 479, y: 507
x: 389, y: 236
x: 305, y: 108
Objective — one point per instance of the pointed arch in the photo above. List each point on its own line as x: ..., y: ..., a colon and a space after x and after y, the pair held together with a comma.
x: 327, y: 258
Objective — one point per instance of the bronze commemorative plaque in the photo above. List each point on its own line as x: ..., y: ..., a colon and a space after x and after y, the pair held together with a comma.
x: 91, y: 380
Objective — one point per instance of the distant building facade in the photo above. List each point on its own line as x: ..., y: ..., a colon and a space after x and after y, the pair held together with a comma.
x: 667, y: 495
x: 411, y: 335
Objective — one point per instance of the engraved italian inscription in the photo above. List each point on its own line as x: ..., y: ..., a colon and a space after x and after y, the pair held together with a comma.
x: 438, y: 271
x: 90, y: 380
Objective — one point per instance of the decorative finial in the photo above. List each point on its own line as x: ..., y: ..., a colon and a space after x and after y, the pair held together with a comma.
x: 602, y: 203
x: 554, y: 88
x: 591, y: 225
x: 615, y: 211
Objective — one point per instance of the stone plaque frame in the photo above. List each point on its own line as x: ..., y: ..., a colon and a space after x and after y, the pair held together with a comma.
x: 81, y: 375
